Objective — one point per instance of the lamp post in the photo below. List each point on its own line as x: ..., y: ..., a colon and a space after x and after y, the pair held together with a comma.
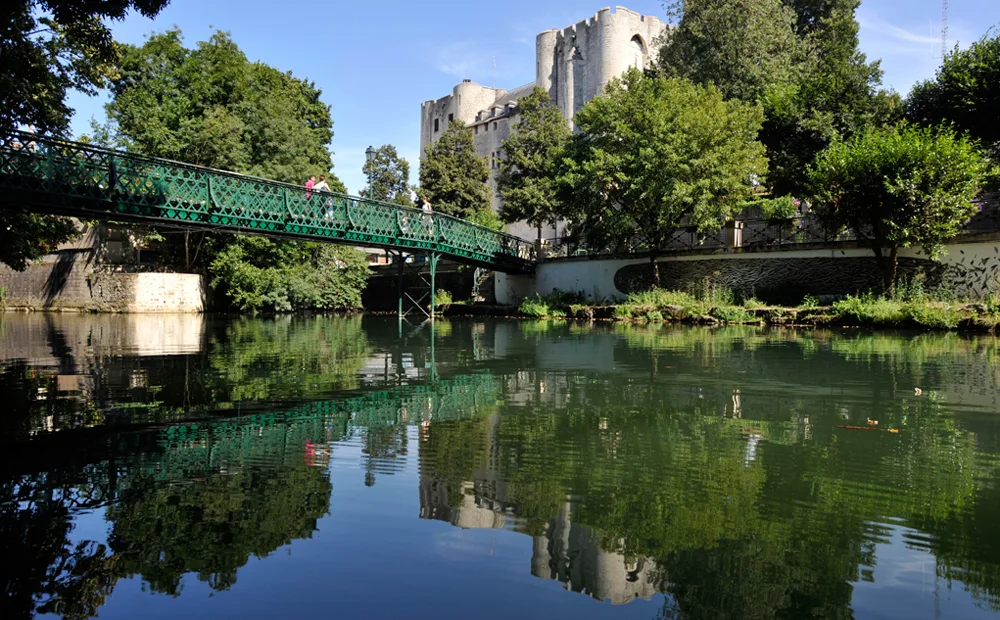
x: 370, y: 158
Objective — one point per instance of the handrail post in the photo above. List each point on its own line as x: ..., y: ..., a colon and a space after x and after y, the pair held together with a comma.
x: 112, y: 175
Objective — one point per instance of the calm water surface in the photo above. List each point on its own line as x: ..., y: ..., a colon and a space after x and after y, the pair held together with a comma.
x: 186, y: 467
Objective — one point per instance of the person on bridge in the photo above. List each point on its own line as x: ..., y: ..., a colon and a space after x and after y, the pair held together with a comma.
x: 428, y: 220
x: 309, y: 185
x: 322, y: 186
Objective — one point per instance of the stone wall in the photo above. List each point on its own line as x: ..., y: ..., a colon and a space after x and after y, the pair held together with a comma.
x: 70, y: 280
x: 970, y: 269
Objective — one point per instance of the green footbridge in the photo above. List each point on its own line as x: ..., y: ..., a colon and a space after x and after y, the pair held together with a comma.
x: 59, y: 177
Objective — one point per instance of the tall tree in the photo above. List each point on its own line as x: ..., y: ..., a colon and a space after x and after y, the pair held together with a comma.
x: 798, y: 58
x: 48, y: 47
x: 452, y: 176
x: 744, y: 47
x: 527, y: 182
x: 211, y: 106
x: 656, y: 153
x: 899, y: 186
x: 837, y: 94
x: 964, y: 93
x: 390, y: 176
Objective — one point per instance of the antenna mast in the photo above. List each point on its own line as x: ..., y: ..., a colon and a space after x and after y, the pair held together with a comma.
x: 944, y: 28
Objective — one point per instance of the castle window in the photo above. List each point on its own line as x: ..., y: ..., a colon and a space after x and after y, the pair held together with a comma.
x: 494, y: 125
x: 437, y: 125
x: 475, y: 130
x: 451, y: 117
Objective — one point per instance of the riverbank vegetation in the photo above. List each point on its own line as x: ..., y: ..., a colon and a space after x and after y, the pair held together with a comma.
x: 912, y: 307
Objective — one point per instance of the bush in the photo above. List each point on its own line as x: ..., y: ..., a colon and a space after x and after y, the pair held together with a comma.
x: 535, y: 307
x: 936, y: 317
x: 733, y: 314
x: 259, y: 275
x: 868, y: 310
x: 442, y: 300
x: 780, y: 208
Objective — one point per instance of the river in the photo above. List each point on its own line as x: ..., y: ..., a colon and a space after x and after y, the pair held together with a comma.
x: 198, y: 467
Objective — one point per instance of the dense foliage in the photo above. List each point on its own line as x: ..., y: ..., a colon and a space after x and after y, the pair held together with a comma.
x: 390, y: 176
x: 27, y: 236
x: 47, y: 48
x: 964, y: 93
x: 50, y: 47
x: 654, y: 154
x: 797, y: 58
x: 452, y: 176
x: 257, y: 274
x: 527, y: 181
x: 212, y: 107
x: 899, y: 186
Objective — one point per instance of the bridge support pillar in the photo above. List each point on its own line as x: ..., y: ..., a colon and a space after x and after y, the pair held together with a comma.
x: 434, y: 257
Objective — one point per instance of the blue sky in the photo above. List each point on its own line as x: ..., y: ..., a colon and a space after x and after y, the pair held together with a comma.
x: 376, y: 61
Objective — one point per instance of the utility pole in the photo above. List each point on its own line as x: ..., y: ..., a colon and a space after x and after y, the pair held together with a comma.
x: 944, y: 29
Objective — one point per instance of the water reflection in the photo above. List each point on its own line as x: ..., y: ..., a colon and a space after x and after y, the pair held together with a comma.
x: 735, y: 472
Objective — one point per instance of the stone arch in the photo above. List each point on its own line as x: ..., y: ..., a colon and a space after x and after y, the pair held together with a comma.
x: 639, y: 50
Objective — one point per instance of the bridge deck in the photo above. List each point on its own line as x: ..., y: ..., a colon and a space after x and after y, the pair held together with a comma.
x: 60, y: 177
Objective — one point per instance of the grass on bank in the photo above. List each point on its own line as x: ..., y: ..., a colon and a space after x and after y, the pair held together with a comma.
x: 912, y: 307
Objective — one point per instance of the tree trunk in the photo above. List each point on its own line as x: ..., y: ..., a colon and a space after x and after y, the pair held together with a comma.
x: 889, y: 271
x: 656, y: 269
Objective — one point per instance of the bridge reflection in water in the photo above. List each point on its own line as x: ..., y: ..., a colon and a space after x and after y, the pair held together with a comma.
x: 651, y: 464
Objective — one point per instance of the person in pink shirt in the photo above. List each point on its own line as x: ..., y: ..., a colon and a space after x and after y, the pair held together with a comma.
x: 309, y: 185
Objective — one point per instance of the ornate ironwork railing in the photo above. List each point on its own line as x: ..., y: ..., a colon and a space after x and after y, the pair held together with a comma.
x: 756, y: 233
x: 81, y: 180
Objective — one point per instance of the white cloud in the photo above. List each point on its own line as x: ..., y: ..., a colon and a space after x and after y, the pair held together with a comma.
x: 872, y: 23
x: 462, y: 60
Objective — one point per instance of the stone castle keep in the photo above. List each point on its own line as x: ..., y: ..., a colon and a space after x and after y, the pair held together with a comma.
x: 572, y: 64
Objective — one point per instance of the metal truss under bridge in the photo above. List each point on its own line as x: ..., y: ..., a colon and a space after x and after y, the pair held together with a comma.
x: 59, y: 177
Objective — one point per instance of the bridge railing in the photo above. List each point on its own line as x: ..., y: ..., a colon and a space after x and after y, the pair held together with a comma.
x: 75, y: 178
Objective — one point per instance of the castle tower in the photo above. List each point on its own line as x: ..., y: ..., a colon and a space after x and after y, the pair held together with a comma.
x: 573, y: 65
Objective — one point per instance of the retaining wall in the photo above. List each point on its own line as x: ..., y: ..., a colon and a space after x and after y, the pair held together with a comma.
x: 970, y: 269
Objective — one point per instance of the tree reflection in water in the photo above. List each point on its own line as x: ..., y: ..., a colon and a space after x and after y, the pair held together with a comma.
x: 653, y: 478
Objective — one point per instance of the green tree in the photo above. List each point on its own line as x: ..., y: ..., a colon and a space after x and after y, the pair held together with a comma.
x: 899, y: 186
x: 744, y: 47
x: 49, y: 48
x: 256, y: 274
x: 390, y: 175
x: 798, y: 58
x: 27, y: 236
x: 211, y: 106
x: 838, y: 93
x: 654, y: 154
x: 527, y: 181
x: 53, y: 46
x: 452, y: 177
x: 964, y: 93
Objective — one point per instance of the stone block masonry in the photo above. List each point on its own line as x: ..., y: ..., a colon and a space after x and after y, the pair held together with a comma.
x: 68, y: 281
x: 969, y: 268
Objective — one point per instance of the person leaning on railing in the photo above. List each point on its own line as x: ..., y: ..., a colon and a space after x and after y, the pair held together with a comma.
x: 427, y: 217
